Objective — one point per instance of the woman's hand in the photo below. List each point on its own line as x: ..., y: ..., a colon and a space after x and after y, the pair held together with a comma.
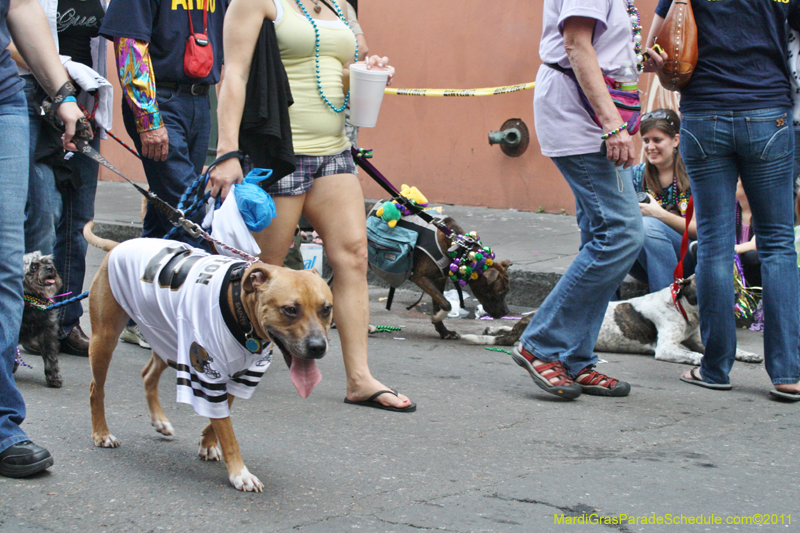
x: 224, y: 175
x: 619, y: 149
x: 652, y: 209
x: 655, y: 60
x: 382, y: 62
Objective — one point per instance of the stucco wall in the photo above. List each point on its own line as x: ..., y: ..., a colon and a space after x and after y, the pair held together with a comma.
x: 441, y: 144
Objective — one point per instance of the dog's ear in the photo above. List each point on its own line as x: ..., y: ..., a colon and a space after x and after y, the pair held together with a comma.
x: 258, y: 276
x: 506, y: 263
x: 491, y: 275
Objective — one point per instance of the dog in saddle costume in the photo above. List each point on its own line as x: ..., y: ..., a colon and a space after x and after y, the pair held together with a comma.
x: 431, y: 256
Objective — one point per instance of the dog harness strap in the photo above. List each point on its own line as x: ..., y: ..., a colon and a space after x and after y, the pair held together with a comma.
x: 676, y: 288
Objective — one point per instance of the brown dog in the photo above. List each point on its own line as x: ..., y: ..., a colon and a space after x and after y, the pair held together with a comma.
x: 221, y: 314
x: 490, y: 288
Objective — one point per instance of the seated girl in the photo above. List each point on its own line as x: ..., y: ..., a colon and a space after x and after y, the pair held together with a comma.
x: 663, y: 178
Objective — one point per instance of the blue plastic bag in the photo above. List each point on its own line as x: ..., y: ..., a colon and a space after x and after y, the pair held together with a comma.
x: 255, y: 205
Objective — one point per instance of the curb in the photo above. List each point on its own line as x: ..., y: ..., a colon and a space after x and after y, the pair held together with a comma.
x: 530, y: 288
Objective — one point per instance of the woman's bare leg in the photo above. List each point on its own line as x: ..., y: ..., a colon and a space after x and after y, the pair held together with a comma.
x: 335, y: 208
x: 275, y: 239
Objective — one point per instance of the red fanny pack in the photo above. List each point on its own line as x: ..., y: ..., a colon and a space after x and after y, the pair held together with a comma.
x: 198, y: 57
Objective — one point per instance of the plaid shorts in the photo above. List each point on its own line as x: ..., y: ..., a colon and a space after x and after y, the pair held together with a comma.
x: 310, y: 167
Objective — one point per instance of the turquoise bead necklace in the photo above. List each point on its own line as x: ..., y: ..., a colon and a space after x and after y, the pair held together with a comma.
x: 316, y: 50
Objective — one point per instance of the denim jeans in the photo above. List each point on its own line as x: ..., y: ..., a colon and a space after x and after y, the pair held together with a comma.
x: 567, y: 323
x: 188, y: 122
x: 44, y: 202
x: 14, y: 191
x: 718, y: 147
x: 659, y: 256
x: 796, y: 165
x: 70, y: 250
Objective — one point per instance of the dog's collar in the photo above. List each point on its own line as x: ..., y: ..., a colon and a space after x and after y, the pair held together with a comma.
x: 41, y: 304
x: 234, y: 316
x: 677, y: 287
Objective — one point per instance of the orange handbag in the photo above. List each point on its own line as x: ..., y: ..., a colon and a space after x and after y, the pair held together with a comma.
x: 678, y: 38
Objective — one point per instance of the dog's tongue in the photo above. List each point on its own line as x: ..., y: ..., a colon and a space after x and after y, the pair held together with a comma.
x: 49, y: 281
x: 305, y: 375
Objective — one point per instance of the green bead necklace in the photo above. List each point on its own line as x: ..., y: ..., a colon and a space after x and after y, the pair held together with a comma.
x: 316, y: 49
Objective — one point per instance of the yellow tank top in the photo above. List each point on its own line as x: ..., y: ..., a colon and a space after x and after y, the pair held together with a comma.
x: 316, y: 128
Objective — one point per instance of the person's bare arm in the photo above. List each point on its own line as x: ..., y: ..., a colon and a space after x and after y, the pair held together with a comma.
x: 16, y: 57
x: 243, y: 21
x: 27, y: 24
x: 578, y: 33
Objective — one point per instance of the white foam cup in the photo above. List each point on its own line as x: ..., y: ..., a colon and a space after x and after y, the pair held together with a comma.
x: 366, y: 94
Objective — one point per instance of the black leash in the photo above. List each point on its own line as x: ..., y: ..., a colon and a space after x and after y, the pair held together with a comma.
x: 361, y: 157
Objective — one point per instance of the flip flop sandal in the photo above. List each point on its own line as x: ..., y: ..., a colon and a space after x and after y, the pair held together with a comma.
x: 564, y: 387
x: 697, y: 379
x: 370, y: 402
x: 784, y: 396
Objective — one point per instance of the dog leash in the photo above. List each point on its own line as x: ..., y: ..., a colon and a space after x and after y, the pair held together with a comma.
x: 677, y: 285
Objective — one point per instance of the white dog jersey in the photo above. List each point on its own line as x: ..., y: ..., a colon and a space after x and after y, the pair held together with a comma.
x: 173, y: 291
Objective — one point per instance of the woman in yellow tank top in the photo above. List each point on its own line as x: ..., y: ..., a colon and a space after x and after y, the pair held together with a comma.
x: 315, y: 45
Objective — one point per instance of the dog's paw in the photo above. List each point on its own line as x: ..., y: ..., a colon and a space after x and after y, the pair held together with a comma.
x: 479, y: 339
x: 748, y: 357
x: 163, y: 427
x: 55, y: 382
x: 246, y: 481
x: 209, y: 453
x: 107, y: 441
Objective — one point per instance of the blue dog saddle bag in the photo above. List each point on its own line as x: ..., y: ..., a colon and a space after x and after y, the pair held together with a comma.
x: 391, y: 251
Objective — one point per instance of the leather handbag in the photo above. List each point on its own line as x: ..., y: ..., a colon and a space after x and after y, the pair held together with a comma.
x: 678, y: 38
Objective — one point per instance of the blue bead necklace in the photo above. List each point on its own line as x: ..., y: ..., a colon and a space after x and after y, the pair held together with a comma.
x: 316, y: 49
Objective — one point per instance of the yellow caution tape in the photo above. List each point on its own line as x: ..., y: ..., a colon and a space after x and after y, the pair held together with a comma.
x: 485, y: 91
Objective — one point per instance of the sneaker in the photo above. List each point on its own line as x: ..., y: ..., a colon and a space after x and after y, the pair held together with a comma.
x: 551, y: 377
x: 132, y: 335
x: 24, y: 459
x: 597, y: 384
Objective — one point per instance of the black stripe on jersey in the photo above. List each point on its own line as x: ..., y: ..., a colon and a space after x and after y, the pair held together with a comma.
x: 195, y: 377
x: 242, y: 379
x: 200, y: 394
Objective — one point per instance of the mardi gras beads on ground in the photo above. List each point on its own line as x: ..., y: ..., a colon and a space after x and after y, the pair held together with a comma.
x: 470, y: 265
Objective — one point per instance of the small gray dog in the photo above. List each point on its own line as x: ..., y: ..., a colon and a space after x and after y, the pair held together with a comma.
x: 650, y: 324
x: 39, y: 331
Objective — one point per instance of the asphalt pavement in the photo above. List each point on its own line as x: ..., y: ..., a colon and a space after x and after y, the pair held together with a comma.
x: 486, y: 451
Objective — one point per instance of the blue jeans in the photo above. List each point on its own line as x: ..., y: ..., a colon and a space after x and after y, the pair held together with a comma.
x: 188, y: 122
x: 796, y: 165
x: 567, y: 323
x: 14, y: 191
x: 70, y: 249
x: 718, y: 147
x: 44, y: 202
x: 659, y: 256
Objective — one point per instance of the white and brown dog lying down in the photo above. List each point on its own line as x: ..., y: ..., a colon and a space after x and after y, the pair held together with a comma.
x: 650, y: 324
x: 212, y: 319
